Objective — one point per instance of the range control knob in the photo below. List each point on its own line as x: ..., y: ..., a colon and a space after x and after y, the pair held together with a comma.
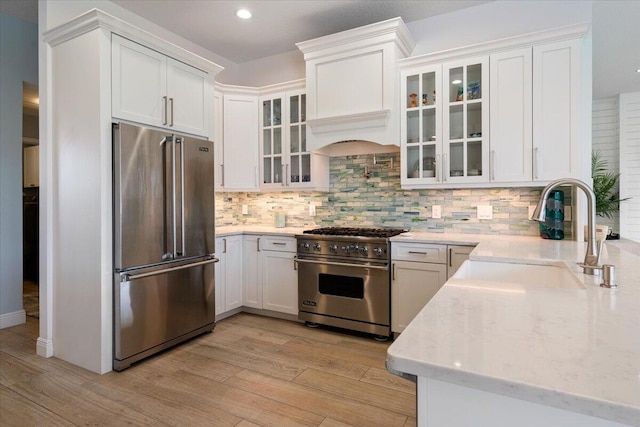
x: 364, y: 251
x: 316, y: 247
x: 304, y: 246
x: 378, y: 251
x: 333, y: 248
x: 345, y: 249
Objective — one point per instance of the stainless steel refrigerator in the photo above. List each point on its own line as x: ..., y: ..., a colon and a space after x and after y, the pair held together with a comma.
x: 163, y: 240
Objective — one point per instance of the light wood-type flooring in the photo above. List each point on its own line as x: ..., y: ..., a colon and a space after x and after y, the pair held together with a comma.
x: 251, y: 371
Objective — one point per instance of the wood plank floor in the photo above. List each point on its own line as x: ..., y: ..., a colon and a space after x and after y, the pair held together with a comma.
x: 251, y: 371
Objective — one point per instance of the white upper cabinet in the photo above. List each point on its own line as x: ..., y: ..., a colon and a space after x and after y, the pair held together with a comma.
x: 511, y: 121
x: 287, y: 163
x: 556, y: 110
x: 240, y: 143
x: 513, y: 117
x: 153, y: 89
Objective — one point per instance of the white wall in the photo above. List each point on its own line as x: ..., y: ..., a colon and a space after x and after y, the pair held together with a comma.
x: 18, y: 63
x: 266, y: 71
x: 606, y: 141
x: 630, y: 165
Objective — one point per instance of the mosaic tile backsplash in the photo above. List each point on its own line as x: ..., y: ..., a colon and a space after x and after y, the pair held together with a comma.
x: 378, y: 201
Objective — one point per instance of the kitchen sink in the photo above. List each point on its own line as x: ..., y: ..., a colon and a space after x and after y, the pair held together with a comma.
x: 527, y: 275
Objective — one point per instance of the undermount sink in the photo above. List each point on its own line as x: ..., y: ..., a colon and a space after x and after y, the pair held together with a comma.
x: 528, y: 275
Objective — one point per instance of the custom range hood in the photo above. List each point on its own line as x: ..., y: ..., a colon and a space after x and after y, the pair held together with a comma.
x: 353, y: 88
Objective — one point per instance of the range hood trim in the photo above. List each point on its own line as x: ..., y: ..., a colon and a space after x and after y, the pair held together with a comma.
x: 370, y: 119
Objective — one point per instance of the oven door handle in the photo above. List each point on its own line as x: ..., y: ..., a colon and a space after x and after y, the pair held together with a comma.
x: 341, y: 264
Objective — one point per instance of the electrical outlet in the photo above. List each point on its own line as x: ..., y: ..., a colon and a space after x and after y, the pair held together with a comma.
x: 531, y: 209
x: 485, y: 212
x: 245, y: 209
x: 436, y: 211
x: 312, y: 210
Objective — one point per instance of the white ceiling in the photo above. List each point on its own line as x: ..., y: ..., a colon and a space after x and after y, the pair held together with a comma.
x: 278, y: 25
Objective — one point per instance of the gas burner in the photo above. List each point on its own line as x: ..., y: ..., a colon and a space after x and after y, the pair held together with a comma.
x: 356, y: 231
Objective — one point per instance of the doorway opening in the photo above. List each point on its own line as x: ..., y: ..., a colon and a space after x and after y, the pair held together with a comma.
x: 30, y: 199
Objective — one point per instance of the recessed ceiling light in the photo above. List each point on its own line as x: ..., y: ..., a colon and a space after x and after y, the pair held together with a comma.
x: 456, y: 82
x: 638, y: 70
x: 243, y: 13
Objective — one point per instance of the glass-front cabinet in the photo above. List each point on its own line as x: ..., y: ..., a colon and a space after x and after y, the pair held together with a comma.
x: 444, y: 134
x: 421, y: 133
x: 286, y: 164
x: 465, y: 121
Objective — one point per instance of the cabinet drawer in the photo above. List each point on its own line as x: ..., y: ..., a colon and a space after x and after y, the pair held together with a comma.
x: 421, y: 252
x: 279, y: 244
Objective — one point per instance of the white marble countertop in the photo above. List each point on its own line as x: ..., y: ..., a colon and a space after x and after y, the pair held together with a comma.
x: 574, y: 349
x: 229, y: 230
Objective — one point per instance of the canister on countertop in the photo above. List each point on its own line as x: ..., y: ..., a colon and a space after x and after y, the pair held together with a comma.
x: 279, y: 219
x: 553, y: 226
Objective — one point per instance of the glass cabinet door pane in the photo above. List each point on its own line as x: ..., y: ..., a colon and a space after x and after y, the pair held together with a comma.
x: 474, y: 120
x: 455, y: 84
x: 429, y: 161
x: 293, y: 109
x: 303, y: 107
x: 456, y: 159
x: 429, y: 125
x: 277, y: 170
x: 277, y: 141
x: 295, y: 139
x: 474, y: 82
x: 413, y: 90
x: 456, y: 122
x: 305, y: 168
x: 303, y: 138
x: 413, y: 162
x: 277, y: 111
x: 295, y: 169
x: 266, y: 113
x: 474, y: 158
x: 413, y: 127
x: 266, y: 142
x: 428, y: 89
x: 266, y: 170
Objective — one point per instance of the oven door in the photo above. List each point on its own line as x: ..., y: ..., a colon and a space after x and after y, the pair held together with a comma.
x: 359, y: 292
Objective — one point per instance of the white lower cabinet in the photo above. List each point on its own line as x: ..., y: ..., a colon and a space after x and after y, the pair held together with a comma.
x: 419, y: 270
x: 270, y: 280
x: 228, y: 273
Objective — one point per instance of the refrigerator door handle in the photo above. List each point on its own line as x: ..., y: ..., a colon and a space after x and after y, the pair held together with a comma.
x: 126, y: 277
x: 180, y: 200
x: 174, y: 203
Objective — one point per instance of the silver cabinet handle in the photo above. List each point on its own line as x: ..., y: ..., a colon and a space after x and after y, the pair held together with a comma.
x: 492, y: 160
x: 164, y: 98
x: 343, y: 264
x: 444, y: 167
x: 224, y: 241
x: 284, y: 176
x: 393, y: 272
x: 171, y: 102
x: 278, y: 243
x: 418, y: 253
x: 258, y: 242
x: 438, y: 166
x: 287, y: 177
x: 535, y: 163
x: 125, y: 277
x: 450, y: 257
x: 222, y: 175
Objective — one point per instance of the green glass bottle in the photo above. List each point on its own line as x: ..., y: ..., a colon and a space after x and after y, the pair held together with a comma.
x: 553, y: 226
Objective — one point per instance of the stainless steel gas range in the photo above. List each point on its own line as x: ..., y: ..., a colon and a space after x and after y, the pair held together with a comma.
x: 344, y: 278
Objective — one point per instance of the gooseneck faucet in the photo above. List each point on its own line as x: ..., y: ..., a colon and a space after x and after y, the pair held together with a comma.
x: 591, y: 258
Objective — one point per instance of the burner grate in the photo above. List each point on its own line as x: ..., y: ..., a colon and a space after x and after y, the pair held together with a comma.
x: 356, y: 231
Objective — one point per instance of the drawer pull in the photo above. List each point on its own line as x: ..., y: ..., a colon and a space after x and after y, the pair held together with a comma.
x: 418, y: 253
x: 278, y: 243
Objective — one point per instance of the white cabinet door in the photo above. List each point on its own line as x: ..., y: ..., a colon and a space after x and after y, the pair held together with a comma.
x: 228, y: 273
x: 252, y: 261
x: 31, y: 166
x: 457, y: 255
x: 139, y: 83
x: 279, y: 282
x: 511, y: 125
x: 218, y: 142
x: 413, y: 285
x: 556, y: 110
x: 240, y: 143
x: 188, y: 91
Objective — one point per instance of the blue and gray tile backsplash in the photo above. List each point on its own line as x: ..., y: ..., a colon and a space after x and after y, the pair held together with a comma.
x: 378, y: 201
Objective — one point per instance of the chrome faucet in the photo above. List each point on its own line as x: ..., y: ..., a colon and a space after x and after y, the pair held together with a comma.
x: 592, y: 257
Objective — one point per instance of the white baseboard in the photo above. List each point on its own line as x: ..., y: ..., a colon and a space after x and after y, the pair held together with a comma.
x: 15, y: 318
x: 44, y: 347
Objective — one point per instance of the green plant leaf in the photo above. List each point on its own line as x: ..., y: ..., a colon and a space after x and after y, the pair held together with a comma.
x: 604, y: 187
